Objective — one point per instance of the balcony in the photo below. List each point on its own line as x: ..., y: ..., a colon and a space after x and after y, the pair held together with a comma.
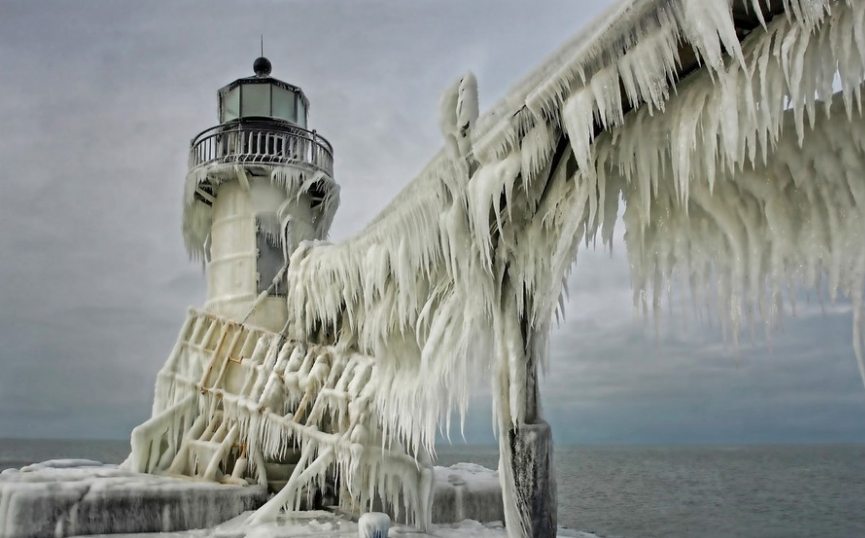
x: 262, y: 141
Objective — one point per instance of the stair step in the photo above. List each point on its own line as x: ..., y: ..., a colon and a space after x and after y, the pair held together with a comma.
x: 291, y: 456
x: 278, y: 471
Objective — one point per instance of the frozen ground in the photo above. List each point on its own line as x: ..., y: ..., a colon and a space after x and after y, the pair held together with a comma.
x: 63, y: 498
x: 467, y: 491
x: 68, y: 497
x: 313, y: 524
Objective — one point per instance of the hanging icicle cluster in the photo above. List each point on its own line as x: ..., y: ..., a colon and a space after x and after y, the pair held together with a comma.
x: 231, y: 398
x: 745, y: 178
x: 750, y: 180
x: 421, y: 286
x: 295, y: 179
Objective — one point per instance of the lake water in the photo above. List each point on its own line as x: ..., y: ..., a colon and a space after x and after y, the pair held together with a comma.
x: 651, y: 492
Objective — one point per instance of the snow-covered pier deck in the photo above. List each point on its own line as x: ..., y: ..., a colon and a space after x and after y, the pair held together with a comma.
x: 81, y: 497
x: 320, y: 524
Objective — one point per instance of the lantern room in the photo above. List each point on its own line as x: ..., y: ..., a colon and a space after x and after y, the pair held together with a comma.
x: 262, y: 96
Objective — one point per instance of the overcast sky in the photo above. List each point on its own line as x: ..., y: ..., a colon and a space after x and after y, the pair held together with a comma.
x: 98, y: 102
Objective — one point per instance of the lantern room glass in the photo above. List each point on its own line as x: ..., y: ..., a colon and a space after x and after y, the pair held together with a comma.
x: 231, y: 105
x: 283, y: 104
x: 255, y: 100
x: 301, y: 112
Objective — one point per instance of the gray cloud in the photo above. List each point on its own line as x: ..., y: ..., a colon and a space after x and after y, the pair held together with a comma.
x: 99, y: 100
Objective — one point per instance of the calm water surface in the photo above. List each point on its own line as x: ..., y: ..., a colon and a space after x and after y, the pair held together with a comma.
x: 651, y: 492
x: 706, y: 492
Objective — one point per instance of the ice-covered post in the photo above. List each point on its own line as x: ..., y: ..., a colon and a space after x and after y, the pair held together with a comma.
x: 526, y: 443
x: 525, y: 438
x: 373, y: 525
x: 532, y: 450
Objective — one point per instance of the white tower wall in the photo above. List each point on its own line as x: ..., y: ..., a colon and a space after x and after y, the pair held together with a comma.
x: 233, y: 270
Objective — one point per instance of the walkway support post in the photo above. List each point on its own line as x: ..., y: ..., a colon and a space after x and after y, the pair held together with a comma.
x: 532, y: 448
x: 526, y: 442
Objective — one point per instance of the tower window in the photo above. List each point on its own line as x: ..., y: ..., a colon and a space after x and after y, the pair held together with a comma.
x: 270, y: 259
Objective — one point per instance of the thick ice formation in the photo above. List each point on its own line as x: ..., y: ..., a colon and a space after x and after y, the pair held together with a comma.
x: 745, y: 177
x: 295, y: 178
x: 312, y: 524
x: 750, y: 184
x: 231, y: 398
x: 373, y: 525
x: 457, y: 267
x: 467, y: 491
x: 81, y: 497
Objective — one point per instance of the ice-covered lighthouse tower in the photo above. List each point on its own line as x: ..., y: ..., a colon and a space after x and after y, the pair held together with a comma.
x: 258, y: 184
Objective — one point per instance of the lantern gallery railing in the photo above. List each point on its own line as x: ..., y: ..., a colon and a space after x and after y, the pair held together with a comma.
x: 264, y: 141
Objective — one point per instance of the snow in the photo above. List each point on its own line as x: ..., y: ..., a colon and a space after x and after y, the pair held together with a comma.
x: 468, y: 474
x: 59, y: 464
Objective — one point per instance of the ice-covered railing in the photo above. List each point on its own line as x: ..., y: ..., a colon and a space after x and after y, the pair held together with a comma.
x: 231, y: 398
x: 267, y: 141
x: 295, y: 159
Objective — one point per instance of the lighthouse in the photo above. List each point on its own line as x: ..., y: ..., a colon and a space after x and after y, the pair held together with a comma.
x: 258, y: 183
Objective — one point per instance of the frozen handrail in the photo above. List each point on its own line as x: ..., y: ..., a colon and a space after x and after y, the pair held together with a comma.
x: 265, y: 141
x: 232, y: 398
